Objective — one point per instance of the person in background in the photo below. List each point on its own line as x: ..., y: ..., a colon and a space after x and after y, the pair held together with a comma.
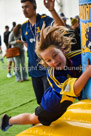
x: 0, y: 45
x: 30, y: 30
x: 6, y: 36
x: 78, y: 18
x: 76, y: 31
x: 1, y: 50
x: 10, y: 60
x: 15, y: 41
x: 64, y: 20
x: 65, y: 83
x: 13, y: 25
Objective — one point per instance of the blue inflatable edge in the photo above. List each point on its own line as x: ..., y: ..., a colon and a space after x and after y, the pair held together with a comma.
x: 83, y: 91
x: 84, y: 1
x: 84, y: 96
x: 85, y: 21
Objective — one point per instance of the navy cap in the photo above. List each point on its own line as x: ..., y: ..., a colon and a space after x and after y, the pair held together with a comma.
x: 63, y: 16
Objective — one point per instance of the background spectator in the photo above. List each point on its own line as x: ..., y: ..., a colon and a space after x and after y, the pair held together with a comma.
x: 15, y: 41
x: 10, y: 60
x: 0, y: 44
x: 64, y: 20
x: 6, y: 36
x: 76, y: 31
x: 1, y: 50
x: 13, y: 25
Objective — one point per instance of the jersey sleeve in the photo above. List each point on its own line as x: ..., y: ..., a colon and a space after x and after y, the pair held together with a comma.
x: 49, y: 21
x: 68, y: 87
x: 61, y: 84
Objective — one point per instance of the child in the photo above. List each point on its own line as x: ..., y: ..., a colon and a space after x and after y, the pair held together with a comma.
x: 64, y: 76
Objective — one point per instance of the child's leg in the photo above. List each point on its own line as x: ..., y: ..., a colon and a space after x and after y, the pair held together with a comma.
x: 22, y: 119
x: 25, y: 118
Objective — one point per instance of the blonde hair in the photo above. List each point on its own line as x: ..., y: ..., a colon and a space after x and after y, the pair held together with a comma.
x: 57, y: 36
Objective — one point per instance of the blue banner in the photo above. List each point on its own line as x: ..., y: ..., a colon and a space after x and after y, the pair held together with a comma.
x: 85, y: 29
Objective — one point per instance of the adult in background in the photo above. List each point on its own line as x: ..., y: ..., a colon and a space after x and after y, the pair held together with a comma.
x: 13, y: 25
x: 1, y: 50
x: 78, y: 18
x: 64, y: 20
x: 15, y: 41
x: 76, y: 30
x: 30, y: 30
x: 10, y: 60
x: 6, y: 36
x: 0, y: 45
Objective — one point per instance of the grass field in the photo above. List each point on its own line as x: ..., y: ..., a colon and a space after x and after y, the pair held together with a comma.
x: 15, y: 98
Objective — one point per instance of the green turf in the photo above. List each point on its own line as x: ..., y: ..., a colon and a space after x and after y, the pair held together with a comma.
x: 15, y: 98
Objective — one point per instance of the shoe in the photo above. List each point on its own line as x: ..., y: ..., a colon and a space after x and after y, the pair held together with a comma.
x: 9, y: 75
x: 19, y: 81
x: 2, y: 60
x: 26, y: 80
x: 13, y: 73
x: 5, y: 122
x: 32, y: 125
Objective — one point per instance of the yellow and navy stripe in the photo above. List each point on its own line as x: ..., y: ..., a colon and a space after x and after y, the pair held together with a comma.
x: 25, y: 22
x: 73, y: 54
x: 53, y: 78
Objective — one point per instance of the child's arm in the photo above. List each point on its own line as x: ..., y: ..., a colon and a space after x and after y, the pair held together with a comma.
x: 82, y: 80
x: 74, y: 86
x: 49, y: 4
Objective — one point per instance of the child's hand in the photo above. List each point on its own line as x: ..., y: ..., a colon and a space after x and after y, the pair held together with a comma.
x: 49, y: 4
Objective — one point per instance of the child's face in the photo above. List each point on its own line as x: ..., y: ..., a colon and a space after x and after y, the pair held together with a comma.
x: 54, y: 57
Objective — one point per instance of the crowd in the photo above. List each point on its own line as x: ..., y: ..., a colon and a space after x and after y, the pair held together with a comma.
x: 50, y: 43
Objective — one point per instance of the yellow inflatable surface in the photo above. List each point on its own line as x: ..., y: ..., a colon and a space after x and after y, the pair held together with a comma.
x: 75, y: 122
